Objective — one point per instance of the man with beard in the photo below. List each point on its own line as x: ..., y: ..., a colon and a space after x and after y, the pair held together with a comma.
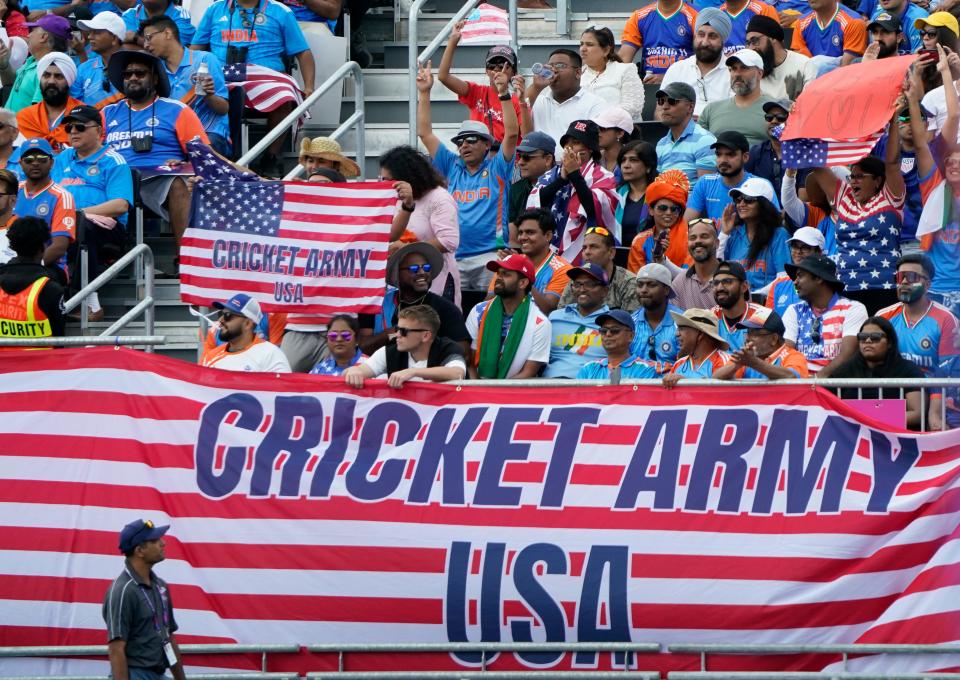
x: 511, y: 336
x: 41, y: 196
x: 686, y: 146
x: 785, y: 72
x: 535, y: 230
x: 903, y: 13
x: 654, y: 331
x: 600, y: 247
x: 740, y: 13
x: 694, y: 285
x: 42, y: 120
x: 743, y: 112
x: 712, y: 193
x: 149, y: 130
x: 886, y: 38
x: 926, y: 330
x: 574, y: 330
x: 705, y: 70
x: 766, y: 158
x: 731, y: 292
x: 410, y: 271
x: 243, y: 349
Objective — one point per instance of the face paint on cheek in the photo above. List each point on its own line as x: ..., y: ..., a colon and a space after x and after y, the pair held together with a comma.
x: 913, y: 294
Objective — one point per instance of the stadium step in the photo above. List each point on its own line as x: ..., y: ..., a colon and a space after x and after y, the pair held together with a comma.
x: 531, y: 24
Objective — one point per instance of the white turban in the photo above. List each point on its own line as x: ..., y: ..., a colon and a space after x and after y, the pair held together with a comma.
x: 62, y: 62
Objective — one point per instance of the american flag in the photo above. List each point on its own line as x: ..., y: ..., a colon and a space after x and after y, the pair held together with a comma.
x: 305, y: 247
x: 327, y: 565
x: 264, y: 88
x: 824, y: 153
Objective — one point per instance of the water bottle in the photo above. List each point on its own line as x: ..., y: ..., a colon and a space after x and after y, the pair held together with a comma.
x: 202, y: 71
x: 544, y: 72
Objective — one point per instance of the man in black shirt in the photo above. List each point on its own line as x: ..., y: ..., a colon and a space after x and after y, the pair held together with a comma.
x: 410, y: 271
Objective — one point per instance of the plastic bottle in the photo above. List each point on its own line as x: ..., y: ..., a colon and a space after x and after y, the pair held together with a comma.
x: 541, y: 70
x: 202, y: 72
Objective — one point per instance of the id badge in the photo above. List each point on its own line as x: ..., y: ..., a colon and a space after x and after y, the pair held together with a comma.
x: 171, y: 655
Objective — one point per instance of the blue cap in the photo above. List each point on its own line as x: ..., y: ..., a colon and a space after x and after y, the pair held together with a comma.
x: 590, y: 269
x: 140, y: 531
x: 620, y: 316
x: 36, y: 144
x: 537, y: 141
x: 242, y: 304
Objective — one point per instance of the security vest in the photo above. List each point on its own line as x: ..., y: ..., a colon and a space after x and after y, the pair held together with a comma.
x: 20, y: 313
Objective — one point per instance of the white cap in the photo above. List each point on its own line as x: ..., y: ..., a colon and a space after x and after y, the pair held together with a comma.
x: 810, y: 236
x: 105, y: 21
x: 755, y: 187
x: 747, y: 57
x: 615, y: 117
x: 242, y: 304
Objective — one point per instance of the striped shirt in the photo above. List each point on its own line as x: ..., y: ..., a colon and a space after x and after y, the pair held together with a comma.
x: 690, y: 153
x: 842, y: 319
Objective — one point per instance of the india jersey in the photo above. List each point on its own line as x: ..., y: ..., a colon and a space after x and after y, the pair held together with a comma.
x: 688, y: 368
x: 929, y: 340
x: 738, y: 33
x: 661, y: 40
x: 729, y: 331
x: 784, y: 357
x: 769, y: 261
x: 55, y: 206
x: 781, y: 294
x: 169, y: 122
x: 846, y: 32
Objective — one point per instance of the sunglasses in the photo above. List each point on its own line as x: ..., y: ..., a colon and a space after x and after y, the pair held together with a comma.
x: 404, y: 332
x: 612, y: 330
x: 415, y: 268
x: 701, y: 220
x: 662, y: 208
x: 815, y: 328
x: 931, y: 34
x: 78, y: 127
x: 334, y: 336
x: 529, y: 156
x: 911, y: 277
x: 871, y: 337
x: 603, y: 231
x: 36, y: 158
x: 497, y: 65
x: 135, y: 73
x: 860, y: 177
x: 228, y: 316
x: 744, y: 199
x: 661, y: 101
x: 472, y: 139
x: 779, y: 117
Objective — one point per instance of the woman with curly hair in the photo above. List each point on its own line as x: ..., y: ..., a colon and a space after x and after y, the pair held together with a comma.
x: 425, y: 212
x: 752, y: 233
x: 662, y: 237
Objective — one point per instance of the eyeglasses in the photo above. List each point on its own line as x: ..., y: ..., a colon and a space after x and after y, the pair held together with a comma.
x: 497, y: 65
x: 529, y: 156
x: 859, y: 177
x: 603, y: 231
x: 147, y: 37
x: 724, y: 282
x: 558, y: 66
x: 815, y: 327
x: 611, y: 330
x: 472, y: 139
x: 661, y: 101
x: 871, y: 337
x: 404, y: 332
x: 663, y: 207
x: 135, y: 73
x: 911, y: 277
x: 36, y: 158
x: 415, y: 268
x: 779, y: 117
x: 751, y: 42
x: 78, y: 127
x: 585, y: 282
x: 749, y: 200
x: 334, y: 336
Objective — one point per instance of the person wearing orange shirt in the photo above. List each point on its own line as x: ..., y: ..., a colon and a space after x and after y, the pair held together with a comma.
x: 663, y: 238
x: 831, y: 32
x: 41, y: 196
x: 764, y: 356
x: 43, y: 119
x: 740, y: 13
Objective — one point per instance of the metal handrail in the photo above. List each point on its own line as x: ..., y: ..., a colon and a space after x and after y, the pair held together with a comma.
x: 347, y: 69
x: 416, y: 60
x: 866, y: 383
x: 806, y: 675
x: 83, y: 341
x: 144, y: 306
x: 481, y: 675
x: 492, y: 647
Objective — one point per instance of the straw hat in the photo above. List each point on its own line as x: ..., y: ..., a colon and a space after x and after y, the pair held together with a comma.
x: 703, y: 321
x: 328, y: 149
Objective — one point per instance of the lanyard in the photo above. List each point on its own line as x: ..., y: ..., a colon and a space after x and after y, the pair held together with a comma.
x: 153, y: 609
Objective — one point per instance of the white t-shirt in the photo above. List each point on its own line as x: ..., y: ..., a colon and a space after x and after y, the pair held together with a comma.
x: 554, y: 118
x: 713, y: 87
x: 378, y: 363
x: 534, y: 344
x: 935, y: 101
x: 261, y: 356
x: 788, y: 78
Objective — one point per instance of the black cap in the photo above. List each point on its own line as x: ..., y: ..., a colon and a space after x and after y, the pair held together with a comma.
x: 84, y: 114
x: 885, y: 21
x: 733, y: 140
x: 585, y: 131
x: 820, y: 266
x: 733, y: 268
x: 766, y: 26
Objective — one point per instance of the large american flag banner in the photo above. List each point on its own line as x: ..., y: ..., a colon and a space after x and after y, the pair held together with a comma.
x: 309, y: 247
x: 305, y: 512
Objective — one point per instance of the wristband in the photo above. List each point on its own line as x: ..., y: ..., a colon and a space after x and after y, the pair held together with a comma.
x: 403, y: 206
x: 505, y: 97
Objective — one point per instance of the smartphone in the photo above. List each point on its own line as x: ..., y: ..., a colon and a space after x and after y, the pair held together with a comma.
x: 933, y: 54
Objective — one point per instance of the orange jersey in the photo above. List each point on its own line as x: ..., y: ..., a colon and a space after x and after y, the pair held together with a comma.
x: 34, y: 123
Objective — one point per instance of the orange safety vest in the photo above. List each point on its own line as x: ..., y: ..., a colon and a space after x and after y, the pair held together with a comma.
x: 21, y: 316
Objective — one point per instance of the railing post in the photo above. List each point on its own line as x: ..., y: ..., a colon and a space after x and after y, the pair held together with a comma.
x: 359, y: 106
x: 563, y: 18
x: 149, y: 314
x: 84, y: 280
x: 413, y: 65
x: 514, y: 30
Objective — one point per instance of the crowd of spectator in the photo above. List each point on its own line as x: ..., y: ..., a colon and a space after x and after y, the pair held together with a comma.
x: 551, y: 239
